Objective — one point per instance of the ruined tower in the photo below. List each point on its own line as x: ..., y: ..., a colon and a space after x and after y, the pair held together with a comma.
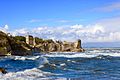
x: 29, y: 40
x: 77, y: 44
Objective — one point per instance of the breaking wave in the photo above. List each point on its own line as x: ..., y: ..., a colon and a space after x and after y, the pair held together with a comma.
x: 87, y: 54
x: 91, y: 64
x: 29, y: 74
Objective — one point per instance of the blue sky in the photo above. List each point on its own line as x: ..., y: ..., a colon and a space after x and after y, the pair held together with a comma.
x: 28, y: 15
x: 19, y: 13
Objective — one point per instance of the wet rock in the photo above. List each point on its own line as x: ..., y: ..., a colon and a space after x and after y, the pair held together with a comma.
x: 2, y: 70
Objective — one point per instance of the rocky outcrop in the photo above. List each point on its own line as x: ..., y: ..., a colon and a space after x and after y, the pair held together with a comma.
x: 2, y: 70
x: 21, y: 49
x: 8, y: 46
x: 5, y: 47
x: 59, y: 46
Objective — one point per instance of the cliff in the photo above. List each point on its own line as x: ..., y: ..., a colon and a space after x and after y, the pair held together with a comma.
x: 5, y: 47
x: 8, y: 46
x: 58, y: 46
x: 22, y: 46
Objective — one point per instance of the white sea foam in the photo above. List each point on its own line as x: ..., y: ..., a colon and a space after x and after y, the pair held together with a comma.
x: 63, y: 64
x: 26, y: 57
x: 87, y: 54
x: 29, y: 74
x: 72, y: 56
x: 110, y: 54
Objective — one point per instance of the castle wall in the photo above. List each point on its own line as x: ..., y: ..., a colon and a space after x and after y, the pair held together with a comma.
x: 29, y: 40
x: 55, y: 46
x: 77, y: 44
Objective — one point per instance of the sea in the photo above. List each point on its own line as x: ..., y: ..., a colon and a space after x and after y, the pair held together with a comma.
x: 93, y: 64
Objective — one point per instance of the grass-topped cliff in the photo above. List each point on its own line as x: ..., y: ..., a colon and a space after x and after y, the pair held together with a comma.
x: 18, y: 45
x: 10, y: 45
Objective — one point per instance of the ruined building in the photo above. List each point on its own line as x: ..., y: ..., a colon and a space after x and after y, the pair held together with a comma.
x: 55, y: 46
x: 30, y: 40
x: 77, y: 44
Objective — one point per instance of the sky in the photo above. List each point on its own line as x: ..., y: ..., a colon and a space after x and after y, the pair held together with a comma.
x: 88, y: 20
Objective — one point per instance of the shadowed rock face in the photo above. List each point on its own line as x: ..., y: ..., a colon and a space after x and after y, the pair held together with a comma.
x: 4, y: 44
x: 2, y: 70
x: 9, y: 46
x: 60, y: 47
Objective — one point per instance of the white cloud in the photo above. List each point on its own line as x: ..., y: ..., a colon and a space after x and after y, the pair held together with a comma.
x: 111, y: 24
x: 105, y: 30
x: 22, y: 31
x: 77, y: 26
x: 90, y: 33
x: 109, y: 8
x: 63, y: 21
x: 4, y: 28
x: 49, y: 20
x: 34, y: 20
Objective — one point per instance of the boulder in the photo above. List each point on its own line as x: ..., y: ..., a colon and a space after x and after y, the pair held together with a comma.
x: 2, y: 70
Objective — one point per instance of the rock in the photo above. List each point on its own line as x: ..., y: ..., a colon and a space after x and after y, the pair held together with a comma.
x: 61, y: 46
x: 8, y: 46
x: 5, y: 47
x: 3, y: 70
x: 78, y: 50
x: 21, y: 49
x: 52, y: 47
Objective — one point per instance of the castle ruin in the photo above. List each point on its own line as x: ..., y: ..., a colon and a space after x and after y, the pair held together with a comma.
x: 55, y: 46
x: 30, y: 40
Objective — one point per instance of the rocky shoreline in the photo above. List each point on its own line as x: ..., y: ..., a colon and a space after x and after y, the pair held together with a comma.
x: 22, y: 46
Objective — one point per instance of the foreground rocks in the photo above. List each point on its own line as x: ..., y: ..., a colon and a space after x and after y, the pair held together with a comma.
x: 2, y: 70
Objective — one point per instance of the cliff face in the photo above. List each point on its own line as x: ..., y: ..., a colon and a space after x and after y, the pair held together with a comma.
x: 9, y: 46
x: 5, y: 47
x: 14, y: 46
x: 60, y: 47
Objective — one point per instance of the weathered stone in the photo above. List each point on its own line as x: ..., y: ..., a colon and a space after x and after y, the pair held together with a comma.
x: 61, y: 47
x: 52, y: 47
x: 9, y: 46
x: 5, y: 47
x: 55, y: 46
x: 2, y: 70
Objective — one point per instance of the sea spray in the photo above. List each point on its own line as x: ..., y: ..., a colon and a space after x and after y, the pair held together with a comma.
x: 91, y: 64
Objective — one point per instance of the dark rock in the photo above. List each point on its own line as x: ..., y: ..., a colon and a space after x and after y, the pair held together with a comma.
x: 10, y: 46
x: 61, y: 46
x: 3, y: 70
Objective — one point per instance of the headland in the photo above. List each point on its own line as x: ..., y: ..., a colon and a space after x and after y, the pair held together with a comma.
x: 27, y: 45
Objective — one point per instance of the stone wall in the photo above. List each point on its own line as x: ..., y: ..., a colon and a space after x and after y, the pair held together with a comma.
x: 60, y: 46
x: 29, y: 40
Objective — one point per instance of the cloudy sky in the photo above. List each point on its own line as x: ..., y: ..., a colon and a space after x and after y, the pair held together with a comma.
x: 88, y: 20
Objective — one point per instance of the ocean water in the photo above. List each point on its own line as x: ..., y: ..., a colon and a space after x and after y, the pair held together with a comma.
x: 93, y: 64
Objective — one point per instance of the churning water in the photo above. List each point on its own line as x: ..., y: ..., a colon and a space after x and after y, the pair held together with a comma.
x: 94, y: 64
